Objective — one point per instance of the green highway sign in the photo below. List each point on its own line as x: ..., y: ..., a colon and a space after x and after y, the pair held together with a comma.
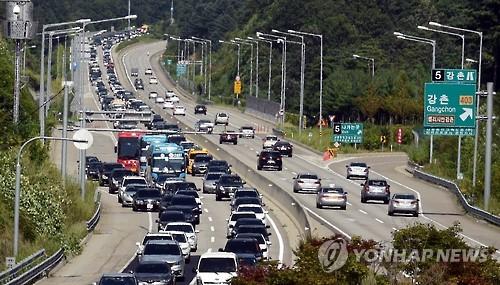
x: 464, y: 76
x: 169, y: 61
x: 450, y: 105
x: 348, y: 132
x: 449, y: 131
x: 181, y: 69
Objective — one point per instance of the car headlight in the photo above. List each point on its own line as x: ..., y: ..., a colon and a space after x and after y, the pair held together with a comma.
x: 140, y: 202
x: 191, y: 238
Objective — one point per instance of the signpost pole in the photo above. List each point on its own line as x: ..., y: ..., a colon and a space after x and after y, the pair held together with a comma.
x: 489, y: 136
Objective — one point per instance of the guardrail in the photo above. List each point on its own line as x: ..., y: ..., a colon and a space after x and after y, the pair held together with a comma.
x: 452, y: 187
x: 21, y: 267
x: 92, y: 223
x: 39, y: 270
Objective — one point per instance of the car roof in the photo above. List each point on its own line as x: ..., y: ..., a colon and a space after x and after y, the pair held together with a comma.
x: 180, y: 224
x: 161, y: 242
x: 118, y: 275
x: 218, y: 255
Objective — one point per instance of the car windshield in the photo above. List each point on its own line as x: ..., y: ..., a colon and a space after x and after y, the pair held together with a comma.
x: 379, y: 183
x: 173, y: 164
x: 358, y: 164
x: 246, y: 128
x: 218, y: 163
x: 213, y: 176
x: 308, y: 176
x: 246, y: 200
x: 109, y: 167
x: 404, y: 196
x: 172, y: 216
x: 222, y: 115
x: 333, y: 190
x: 180, y: 238
x: 241, y: 246
x: 187, y: 200
x: 246, y: 194
x: 217, y: 265
x: 258, y: 237
x: 271, y: 138
x: 180, y: 228
x: 148, y: 194
x: 120, y: 173
x: 188, y: 193
x: 186, y: 186
x: 152, y: 268
x: 156, y: 237
x: 204, y: 122
x: 187, y: 145
x: 128, y: 147
x: 257, y: 210
x: 236, y: 217
x: 202, y: 158
x: 230, y: 179
x: 161, y: 249
x: 254, y: 229
x: 117, y: 281
x: 134, y: 181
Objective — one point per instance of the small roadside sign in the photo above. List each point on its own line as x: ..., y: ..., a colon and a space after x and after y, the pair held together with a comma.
x: 464, y: 76
x: 181, y: 69
x: 348, y: 132
x: 237, y: 87
x: 399, y: 136
x: 10, y: 261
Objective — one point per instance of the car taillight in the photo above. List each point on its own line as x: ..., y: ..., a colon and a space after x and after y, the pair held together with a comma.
x: 300, y: 181
x: 396, y: 202
x: 349, y: 169
x: 366, y: 170
x: 386, y: 189
x: 414, y: 202
x: 316, y: 182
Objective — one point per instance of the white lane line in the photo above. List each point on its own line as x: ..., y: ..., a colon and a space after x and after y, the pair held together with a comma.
x: 252, y: 149
x: 294, y: 173
x: 378, y: 220
x: 363, y: 212
x: 326, y: 222
x: 206, y: 210
x: 128, y: 262
x: 209, y: 219
x: 349, y: 204
x: 150, y: 227
x: 286, y: 168
x: 209, y: 250
x: 126, y: 71
x: 212, y: 229
x: 280, y: 240
x: 212, y: 239
x: 394, y: 229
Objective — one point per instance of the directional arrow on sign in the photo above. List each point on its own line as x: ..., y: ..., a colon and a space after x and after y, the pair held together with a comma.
x: 360, y: 132
x: 467, y: 113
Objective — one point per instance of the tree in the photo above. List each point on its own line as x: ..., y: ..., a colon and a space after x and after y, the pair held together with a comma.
x: 370, y: 103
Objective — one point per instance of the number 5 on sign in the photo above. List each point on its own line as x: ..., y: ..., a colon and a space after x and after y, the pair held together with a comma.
x: 337, y: 129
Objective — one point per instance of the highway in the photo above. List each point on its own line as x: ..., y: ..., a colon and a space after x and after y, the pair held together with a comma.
x: 368, y: 220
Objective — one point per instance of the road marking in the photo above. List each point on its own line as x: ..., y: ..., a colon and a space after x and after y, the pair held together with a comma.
x: 212, y: 239
x: 394, y: 229
x: 363, y: 212
x: 349, y: 204
x: 378, y: 220
x: 206, y: 210
x: 209, y: 250
x: 128, y: 262
x: 286, y: 168
x: 209, y: 219
x: 326, y: 222
x: 294, y: 173
x: 212, y: 228
x: 150, y: 227
x: 270, y: 185
x: 252, y: 149
x: 126, y: 71
x: 280, y: 240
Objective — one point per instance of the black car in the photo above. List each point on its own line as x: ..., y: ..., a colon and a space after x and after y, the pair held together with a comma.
x: 118, y: 279
x: 181, y: 185
x: 154, y: 272
x: 177, y: 139
x: 191, y: 215
x: 247, y: 222
x: 169, y: 216
x: 116, y: 177
x: 93, y: 170
x: 188, y: 201
x: 226, y: 186
x: 285, y: 148
x: 200, y: 164
x: 146, y: 200
x: 160, y: 179
x: 218, y: 166
x: 228, y: 137
x: 89, y: 159
x: 260, y: 229
x: 107, y: 167
x: 245, y: 200
x: 139, y: 84
x: 200, y: 109
x: 269, y: 159
x: 243, y: 248
x: 155, y: 119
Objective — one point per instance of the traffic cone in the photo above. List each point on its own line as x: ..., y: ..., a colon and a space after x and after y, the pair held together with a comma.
x: 326, y: 155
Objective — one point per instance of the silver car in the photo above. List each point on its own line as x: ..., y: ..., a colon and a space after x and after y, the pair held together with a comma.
x: 357, y: 170
x: 183, y: 241
x: 210, y: 180
x: 404, y: 204
x: 375, y: 189
x: 306, y: 182
x: 165, y: 251
x: 331, y: 197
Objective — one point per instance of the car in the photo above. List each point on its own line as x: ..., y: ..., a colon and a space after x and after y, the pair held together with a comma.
x: 221, y: 119
x: 179, y: 110
x: 117, y: 279
x: 375, y: 189
x: 285, y: 148
x: 154, y: 272
x: 89, y: 159
x: 245, y: 201
x: 217, y: 165
x: 153, y: 80
x: 107, y: 167
x: 216, y: 268
x: 169, y: 216
x: 192, y: 193
x: 115, y: 178
x: 306, y: 182
x: 263, y: 244
x: 403, y: 204
x: 153, y: 94
x: 139, y: 84
x: 131, y: 180
x: 126, y: 197
x: 183, y: 241
x: 165, y: 251
x: 187, y: 201
x: 234, y: 217
x: 200, y: 109
x: 247, y: 132
x: 243, y: 247
x: 204, y: 126
x: 151, y: 236
x: 127, y: 125
x: 160, y: 100
x: 228, y: 137
x: 187, y: 145
x: 331, y: 196
x: 245, y: 222
x: 134, y: 72
x: 200, y: 164
x: 181, y: 185
x: 154, y: 120
x: 269, y: 141
x: 269, y: 159
x: 246, y: 192
x: 227, y: 184
x: 93, y: 170
x: 146, y: 200
x: 210, y: 181
x: 188, y: 229
x: 174, y: 98
x: 169, y: 93
x: 148, y: 71
x: 261, y: 229
x: 357, y: 170
x: 190, y: 212
x: 259, y: 212
x: 168, y: 104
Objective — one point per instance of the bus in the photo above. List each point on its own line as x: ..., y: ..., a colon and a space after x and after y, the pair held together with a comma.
x: 146, y: 141
x: 128, y: 150
x: 166, y: 158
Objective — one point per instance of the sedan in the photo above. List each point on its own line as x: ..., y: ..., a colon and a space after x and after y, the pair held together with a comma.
x: 153, y: 95
x: 309, y: 182
x: 404, y: 204
x: 160, y: 100
x: 332, y: 197
x: 228, y: 137
x: 285, y: 148
x: 175, y: 99
x: 358, y: 170
x: 200, y: 109
x: 210, y: 181
x: 180, y: 110
x: 154, y: 272
x: 374, y: 189
x: 168, y: 104
x: 146, y: 199
x: 153, y: 80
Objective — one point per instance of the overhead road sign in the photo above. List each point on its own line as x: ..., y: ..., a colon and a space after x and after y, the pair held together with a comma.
x: 348, y: 132
x: 464, y: 76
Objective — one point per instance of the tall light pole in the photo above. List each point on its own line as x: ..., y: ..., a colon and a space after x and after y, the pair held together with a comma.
x: 172, y: 12
x: 203, y: 65
x: 18, y: 184
x: 433, y: 44
x: 24, y: 57
x: 256, y: 63
x: 209, y: 64
x: 245, y: 42
x: 461, y: 36
x: 320, y: 36
x: 372, y: 60
x: 269, y: 66
x: 476, y: 135
x: 237, y: 44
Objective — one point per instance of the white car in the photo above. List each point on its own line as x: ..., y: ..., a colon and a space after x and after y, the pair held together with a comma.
x: 233, y: 218
x: 160, y: 100
x: 183, y: 241
x: 259, y: 212
x: 168, y: 104
x: 269, y: 141
x: 148, y: 71
x: 153, y: 95
x: 221, y: 118
x: 153, y: 80
x: 132, y: 180
x: 216, y: 268
x: 169, y: 93
x: 180, y: 110
x: 186, y: 228
x: 175, y: 99
x: 358, y: 170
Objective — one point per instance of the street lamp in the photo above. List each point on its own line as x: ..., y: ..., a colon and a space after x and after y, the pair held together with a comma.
x: 18, y: 183
x: 203, y: 58
x: 476, y: 135
x: 372, y: 60
x: 249, y: 40
x: 246, y: 42
x: 320, y: 36
x: 24, y: 56
x: 209, y: 63
x: 237, y: 44
x: 269, y: 65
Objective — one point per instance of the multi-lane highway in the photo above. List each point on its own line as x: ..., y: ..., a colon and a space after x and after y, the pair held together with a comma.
x: 368, y: 220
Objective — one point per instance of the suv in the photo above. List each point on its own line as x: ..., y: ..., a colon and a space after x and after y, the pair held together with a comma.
x: 269, y: 159
x: 247, y: 132
x: 216, y: 268
x: 222, y: 119
x: 374, y: 189
x: 139, y: 84
x: 269, y: 141
x: 228, y: 137
x: 226, y: 186
x: 204, y: 126
x: 117, y: 278
x: 148, y: 71
x: 166, y: 251
x: 105, y: 171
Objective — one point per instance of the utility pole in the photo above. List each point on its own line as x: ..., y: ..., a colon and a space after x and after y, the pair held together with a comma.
x: 65, y: 117
x: 489, y: 138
